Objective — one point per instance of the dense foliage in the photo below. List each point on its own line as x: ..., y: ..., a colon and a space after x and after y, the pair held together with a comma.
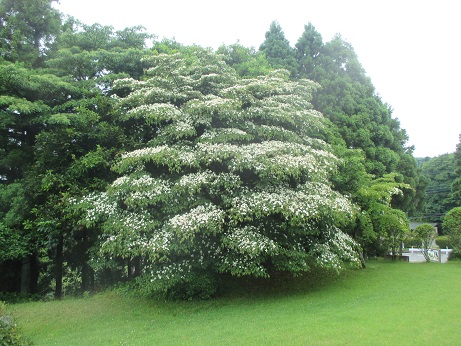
x: 182, y: 164
x: 426, y: 235
x: 348, y: 99
x: 452, y: 228
x: 233, y: 179
x: 440, y: 171
x: 456, y: 185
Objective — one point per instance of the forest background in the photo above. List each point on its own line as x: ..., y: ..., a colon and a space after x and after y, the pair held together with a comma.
x: 68, y: 119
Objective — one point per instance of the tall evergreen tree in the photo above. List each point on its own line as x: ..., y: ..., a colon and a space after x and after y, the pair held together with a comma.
x: 440, y: 171
x: 278, y: 51
x: 27, y: 100
x: 348, y: 98
x: 456, y: 186
x: 308, y: 50
x: 28, y: 28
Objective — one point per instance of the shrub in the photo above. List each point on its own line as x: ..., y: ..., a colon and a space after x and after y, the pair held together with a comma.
x: 195, y: 285
x: 426, y: 233
x: 452, y: 228
x: 455, y: 254
x: 412, y: 242
x: 443, y: 242
x: 9, y: 332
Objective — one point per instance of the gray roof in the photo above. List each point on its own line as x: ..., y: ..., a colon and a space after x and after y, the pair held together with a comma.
x: 413, y: 225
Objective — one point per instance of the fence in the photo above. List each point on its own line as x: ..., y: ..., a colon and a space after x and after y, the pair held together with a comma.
x: 435, y: 255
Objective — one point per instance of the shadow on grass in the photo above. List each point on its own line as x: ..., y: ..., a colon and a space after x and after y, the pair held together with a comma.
x: 280, y: 284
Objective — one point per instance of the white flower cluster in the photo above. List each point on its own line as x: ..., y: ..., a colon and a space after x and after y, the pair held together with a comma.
x: 210, y: 103
x: 128, y: 83
x: 336, y: 248
x: 120, y: 181
x: 225, y: 135
x: 297, y: 206
x: 325, y: 257
x: 155, y: 113
x: 145, y: 152
x: 195, y: 180
x: 158, y: 243
x: 298, y: 102
x: 97, y: 205
x: 181, y: 129
x: 248, y: 241
x: 241, y: 265
x: 344, y: 245
x: 146, y: 190
x: 131, y: 223
x: 196, y: 183
x: 205, y: 219
x: 270, y: 158
x: 173, y: 157
x: 334, y: 201
x: 173, y: 271
x: 279, y: 133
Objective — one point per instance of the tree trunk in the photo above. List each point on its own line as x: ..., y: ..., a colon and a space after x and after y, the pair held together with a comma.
x: 29, y: 274
x: 86, y: 269
x: 25, y: 275
x: 137, y: 266
x: 34, y: 273
x: 85, y: 277
x: 128, y: 264
x: 59, y: 267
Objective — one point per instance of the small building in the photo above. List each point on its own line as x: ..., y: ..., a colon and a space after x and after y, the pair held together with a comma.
x: 413, y: 225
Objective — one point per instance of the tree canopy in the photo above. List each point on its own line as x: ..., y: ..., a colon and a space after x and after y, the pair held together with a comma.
x: 440, y: 171
x: 180, y: 165
x: 233, y: 180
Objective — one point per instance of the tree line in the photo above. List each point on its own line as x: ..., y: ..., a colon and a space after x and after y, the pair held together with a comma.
x: 179, y: 164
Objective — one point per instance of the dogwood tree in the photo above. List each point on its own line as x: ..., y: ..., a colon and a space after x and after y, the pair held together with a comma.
x: 230, y: 176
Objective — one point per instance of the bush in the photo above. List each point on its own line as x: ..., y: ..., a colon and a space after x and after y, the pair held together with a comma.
x: 455, y: 254
x: 412, y: 242
x: 196, y: 285
x: 443, y: 242
x: 9, y: 332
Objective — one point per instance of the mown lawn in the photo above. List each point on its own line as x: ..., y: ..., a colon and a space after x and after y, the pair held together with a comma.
x: 385, y: 304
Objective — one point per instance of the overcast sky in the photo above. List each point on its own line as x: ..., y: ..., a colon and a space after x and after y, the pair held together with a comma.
x: 410, y: 49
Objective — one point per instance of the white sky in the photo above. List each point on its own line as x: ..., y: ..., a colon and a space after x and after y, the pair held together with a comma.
x: 409, y: 48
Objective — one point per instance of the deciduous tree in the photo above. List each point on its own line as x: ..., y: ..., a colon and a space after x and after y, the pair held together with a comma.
x: 452, y: 228
x: 426, y: 234
x: 231, y: 180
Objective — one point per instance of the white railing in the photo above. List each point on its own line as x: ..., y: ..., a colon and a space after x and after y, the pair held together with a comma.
x: 435, y: 255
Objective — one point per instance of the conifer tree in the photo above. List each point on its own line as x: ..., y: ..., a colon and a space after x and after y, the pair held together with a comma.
x: 278, y: 51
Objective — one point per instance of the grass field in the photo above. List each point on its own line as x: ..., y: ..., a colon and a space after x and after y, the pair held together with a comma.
x: 385, y: 304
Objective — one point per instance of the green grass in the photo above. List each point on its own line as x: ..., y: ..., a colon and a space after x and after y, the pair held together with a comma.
x: 386, y: 304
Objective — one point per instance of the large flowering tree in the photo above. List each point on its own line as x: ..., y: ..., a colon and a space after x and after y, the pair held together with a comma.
x: 232, y: 177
